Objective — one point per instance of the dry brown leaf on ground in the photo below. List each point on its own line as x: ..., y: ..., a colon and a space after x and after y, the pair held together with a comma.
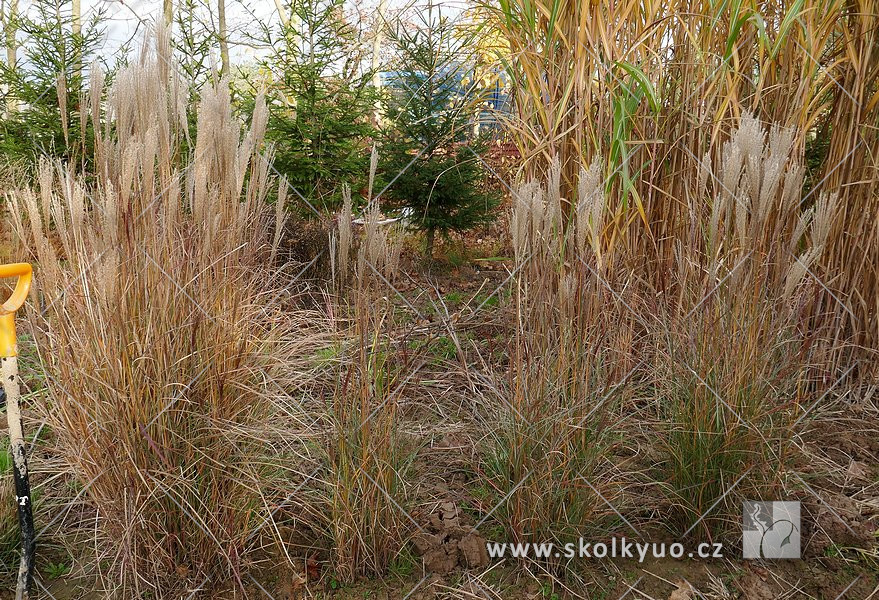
x: 684, y: 591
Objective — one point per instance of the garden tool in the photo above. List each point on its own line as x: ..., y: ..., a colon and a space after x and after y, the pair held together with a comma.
x: 12, y: 391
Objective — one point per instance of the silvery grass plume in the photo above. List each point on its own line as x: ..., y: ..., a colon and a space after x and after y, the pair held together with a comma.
x: 536, y: 222
x: 755, y: 204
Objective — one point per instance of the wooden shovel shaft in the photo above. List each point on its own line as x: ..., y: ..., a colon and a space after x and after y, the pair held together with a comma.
x: 12, y: 389
x: 9, y: 373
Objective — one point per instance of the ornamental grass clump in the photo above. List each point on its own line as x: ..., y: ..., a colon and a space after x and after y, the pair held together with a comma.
x: 572, y: 344
x: 165, y: 351
x: 734, y: 360
x: 365, y: 457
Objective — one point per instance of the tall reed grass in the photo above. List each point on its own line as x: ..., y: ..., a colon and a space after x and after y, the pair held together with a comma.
x: 851, y: 170
x: 655, y: 86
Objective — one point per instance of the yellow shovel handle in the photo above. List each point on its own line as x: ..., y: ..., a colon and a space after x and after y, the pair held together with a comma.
x: 24, y: 272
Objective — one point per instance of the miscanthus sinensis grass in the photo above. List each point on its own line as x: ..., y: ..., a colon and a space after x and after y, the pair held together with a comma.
x: 168, y: 357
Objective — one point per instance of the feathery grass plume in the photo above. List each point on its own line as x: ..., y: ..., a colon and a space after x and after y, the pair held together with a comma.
x: 754, y: 203
x: 819, y: 221
x: 380, y: 247
x: 373, y: 167
x: 520, y: 221
x: 372, y: 244
x: 93, y: 108
x: 591, y: 205
x: 345, y: 234
x: 161, y: 338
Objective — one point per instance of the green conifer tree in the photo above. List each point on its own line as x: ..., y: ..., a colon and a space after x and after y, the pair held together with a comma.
x: 432, y: 170
x: 321, y: 102
x: 46, y: 84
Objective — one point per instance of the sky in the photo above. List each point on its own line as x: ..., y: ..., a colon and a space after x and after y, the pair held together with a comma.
x: 127, y: 20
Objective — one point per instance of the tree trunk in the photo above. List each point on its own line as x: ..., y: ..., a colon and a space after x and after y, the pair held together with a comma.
x: 167, y: 13
x: 285, y: 18
x: 224, y: 40
x: 11, y: 48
